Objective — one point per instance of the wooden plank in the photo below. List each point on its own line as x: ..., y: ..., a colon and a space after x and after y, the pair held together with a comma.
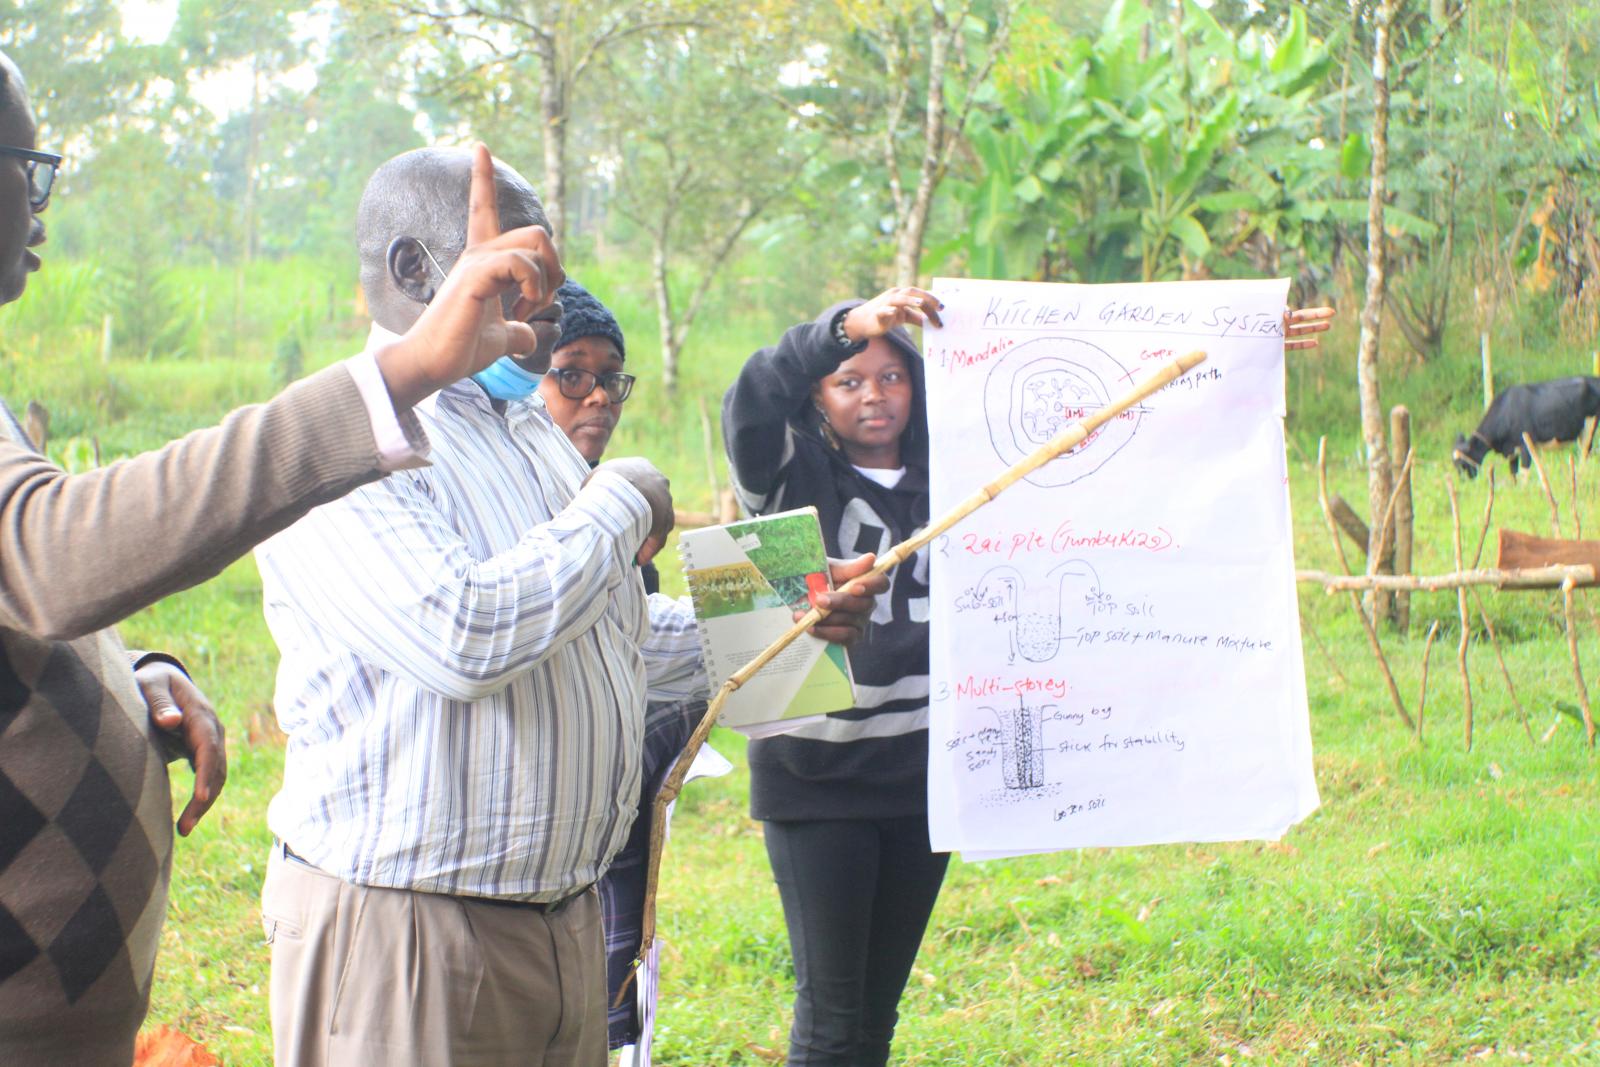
x: 1520, y: 551
x: 1353, y: 525
x: 693, y: 520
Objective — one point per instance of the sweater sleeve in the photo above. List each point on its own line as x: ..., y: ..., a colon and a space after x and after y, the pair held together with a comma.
x: 80, y: 552
x: 774, y: 385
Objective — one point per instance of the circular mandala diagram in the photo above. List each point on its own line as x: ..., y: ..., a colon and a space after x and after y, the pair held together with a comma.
x: 1041, y: 386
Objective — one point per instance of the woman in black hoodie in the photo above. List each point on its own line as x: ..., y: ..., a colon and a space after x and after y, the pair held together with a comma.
x: 835, y: 416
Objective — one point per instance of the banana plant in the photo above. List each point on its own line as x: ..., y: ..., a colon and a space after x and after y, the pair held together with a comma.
x: 1143, y: 145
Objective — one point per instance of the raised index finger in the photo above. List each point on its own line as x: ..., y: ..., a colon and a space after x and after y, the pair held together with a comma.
x: 483, y: 214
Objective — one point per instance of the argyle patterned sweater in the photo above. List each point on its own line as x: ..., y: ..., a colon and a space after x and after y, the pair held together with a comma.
x: 85, y: 808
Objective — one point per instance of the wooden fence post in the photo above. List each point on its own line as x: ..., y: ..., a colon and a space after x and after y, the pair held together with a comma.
x: 708, y: 444
x: 1399, y: 449
x: 37, y: 424
x: 1466, y: 620
x: 1488, y: 369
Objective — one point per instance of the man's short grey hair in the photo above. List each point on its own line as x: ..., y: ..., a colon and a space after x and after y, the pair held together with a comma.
x: 423, y: 194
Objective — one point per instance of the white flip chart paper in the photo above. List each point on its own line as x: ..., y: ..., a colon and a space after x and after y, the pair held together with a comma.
x: 1115, y: 640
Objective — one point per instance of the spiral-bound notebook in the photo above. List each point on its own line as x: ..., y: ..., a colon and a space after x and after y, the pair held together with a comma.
x: 746, y: 580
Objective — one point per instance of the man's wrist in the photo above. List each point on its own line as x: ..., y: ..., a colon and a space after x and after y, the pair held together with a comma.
x: 406, y: 384
x: 396, y: 430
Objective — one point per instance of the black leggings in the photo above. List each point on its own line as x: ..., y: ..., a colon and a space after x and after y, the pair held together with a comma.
x: 857, y: 894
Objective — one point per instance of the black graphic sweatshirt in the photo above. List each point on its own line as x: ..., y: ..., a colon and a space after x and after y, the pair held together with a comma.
x: 871, y: 761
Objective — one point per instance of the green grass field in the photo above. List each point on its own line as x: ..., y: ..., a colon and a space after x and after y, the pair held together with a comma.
x: 1438, y: 908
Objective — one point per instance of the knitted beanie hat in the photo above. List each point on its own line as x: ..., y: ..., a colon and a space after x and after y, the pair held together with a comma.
x: 584, y: 316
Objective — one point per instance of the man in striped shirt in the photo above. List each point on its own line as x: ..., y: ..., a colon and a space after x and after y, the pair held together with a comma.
x: 466, y: 653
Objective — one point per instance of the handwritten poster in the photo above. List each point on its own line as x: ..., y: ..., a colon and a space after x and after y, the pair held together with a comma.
x: 1115, y: 640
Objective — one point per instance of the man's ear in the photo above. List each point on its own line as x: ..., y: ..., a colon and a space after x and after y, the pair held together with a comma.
x: 411, y: 271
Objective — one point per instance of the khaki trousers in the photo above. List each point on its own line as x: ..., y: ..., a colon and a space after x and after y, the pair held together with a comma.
x: 393, y: 978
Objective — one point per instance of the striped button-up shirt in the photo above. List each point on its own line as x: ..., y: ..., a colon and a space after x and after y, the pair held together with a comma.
x: 466, y: 654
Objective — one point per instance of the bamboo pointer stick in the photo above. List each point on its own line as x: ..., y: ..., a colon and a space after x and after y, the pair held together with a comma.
x: 1059, y: 445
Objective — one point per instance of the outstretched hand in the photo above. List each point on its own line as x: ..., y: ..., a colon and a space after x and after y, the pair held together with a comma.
x: 1301, y: 326
x: 903, y: 305
x: 852, y: 601
x: 464, y: 328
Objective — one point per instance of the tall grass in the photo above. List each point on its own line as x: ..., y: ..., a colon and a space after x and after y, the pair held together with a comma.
x: 231, y: 323
x: 235, y: 324
x: 225, y: 329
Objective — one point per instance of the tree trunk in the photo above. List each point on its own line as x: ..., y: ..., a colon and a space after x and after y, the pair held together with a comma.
x: 664, y: 316
x: 247, y: 205
x: 897, y: 72
x: 553, y: 114
x: 252, y: 162
x: 1380, y: 475
x: 939, y: 129
x: 908, y: 251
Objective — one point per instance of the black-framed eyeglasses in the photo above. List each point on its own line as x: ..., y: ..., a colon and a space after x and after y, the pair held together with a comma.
x: 41, y: 167
x: 576, y: 383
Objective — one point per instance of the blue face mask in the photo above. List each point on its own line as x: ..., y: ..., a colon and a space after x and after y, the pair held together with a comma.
x: 504, y: 380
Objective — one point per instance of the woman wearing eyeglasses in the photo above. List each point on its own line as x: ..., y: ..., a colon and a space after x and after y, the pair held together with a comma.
x: 584, y: 390
x: 585, y: 385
